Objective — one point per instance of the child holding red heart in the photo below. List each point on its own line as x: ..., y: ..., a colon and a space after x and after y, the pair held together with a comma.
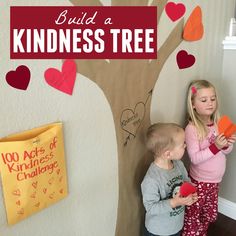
x: 206, y: 149
x: 161, y: 184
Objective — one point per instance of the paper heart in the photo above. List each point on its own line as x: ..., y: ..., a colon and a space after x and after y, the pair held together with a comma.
x: 193, y: 29
x: 187, y: 188
x: 20, y: 78
x: 63, y: 81
x: 226, y: 126
x: 184, y: 60
x: 131, y: 119
x: 174, y: 11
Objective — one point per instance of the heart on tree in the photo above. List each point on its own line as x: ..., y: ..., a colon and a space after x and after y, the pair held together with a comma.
x: 20, y: 78
x: 184, y: 60
x: 187, y: 188
x: 194, y: 29
x: 63, y: 81
x: 174, y: 11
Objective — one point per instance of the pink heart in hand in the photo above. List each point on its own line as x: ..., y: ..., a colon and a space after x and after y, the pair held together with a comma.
x: 174, y: 11
x: 19, y: 78
x: 63, y: 81
x: 187, y: 188
x: 184, y: 60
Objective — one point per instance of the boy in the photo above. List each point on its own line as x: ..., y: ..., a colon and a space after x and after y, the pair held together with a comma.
x: 160, y: 187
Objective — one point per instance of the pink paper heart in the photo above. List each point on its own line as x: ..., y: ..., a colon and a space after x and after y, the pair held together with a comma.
x: 184, y: 60
x: 63, y: 81
x: 174, y: 11
x: 20, y: 78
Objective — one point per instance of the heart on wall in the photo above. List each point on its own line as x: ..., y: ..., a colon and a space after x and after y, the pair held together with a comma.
x: 62, y: 80
x: 194, y: 29
x: 20, y: 78
x: 184, y: 60
x: 175, y: 11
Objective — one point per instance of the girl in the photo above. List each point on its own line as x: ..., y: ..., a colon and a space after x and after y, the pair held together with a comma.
x: 206, y: 150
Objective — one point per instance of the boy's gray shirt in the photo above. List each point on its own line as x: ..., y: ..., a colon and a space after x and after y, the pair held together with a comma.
x: 158, y: 186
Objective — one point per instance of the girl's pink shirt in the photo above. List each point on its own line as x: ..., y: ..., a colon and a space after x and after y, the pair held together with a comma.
x: 207, y: 161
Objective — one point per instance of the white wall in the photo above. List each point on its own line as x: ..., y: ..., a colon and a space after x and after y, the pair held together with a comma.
x: 228, y: 95
x: 91, y: 156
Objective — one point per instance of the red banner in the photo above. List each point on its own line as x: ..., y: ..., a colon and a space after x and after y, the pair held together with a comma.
x: 83, y: 32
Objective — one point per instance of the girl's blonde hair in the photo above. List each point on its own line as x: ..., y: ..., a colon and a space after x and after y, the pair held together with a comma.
x: 161, y: 137
x: 193, y: 116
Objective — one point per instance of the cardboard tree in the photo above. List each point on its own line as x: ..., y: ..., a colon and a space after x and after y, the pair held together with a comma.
x: 128, y: 85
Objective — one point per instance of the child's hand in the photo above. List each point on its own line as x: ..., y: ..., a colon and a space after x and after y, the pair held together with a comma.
x: 221, y: 141
x: 194, y: 197
x: 231, y: 140
x: 177, y: 200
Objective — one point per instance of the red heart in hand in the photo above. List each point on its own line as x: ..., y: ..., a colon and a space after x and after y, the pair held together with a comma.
x: 19, y: 78
x: 187, y: 188
x: 174, y: 11
x: 184, y: 60
x: 63, y: 81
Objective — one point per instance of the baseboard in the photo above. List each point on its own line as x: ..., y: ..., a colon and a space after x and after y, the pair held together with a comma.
x: 227, y: 208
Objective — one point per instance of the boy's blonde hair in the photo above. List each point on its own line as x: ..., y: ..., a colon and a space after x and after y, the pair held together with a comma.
x: 193, y: 116
x: 160, y: 137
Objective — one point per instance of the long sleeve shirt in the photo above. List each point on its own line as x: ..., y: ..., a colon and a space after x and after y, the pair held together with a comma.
x: 207, y: 161
x: 158, y: 187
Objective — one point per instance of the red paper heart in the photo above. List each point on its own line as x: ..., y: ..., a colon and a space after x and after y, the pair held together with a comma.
x: 63, y: 81
x: 187, y: 188
x: 174, y: 11
x: 20, y: 78
x: 184, y: 60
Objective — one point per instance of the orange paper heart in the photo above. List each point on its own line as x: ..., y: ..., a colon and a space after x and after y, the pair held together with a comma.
x: 193, y: 29
x: 226, y: 126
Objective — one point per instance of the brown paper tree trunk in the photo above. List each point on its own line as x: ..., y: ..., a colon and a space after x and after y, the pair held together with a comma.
x: 128, y: 85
